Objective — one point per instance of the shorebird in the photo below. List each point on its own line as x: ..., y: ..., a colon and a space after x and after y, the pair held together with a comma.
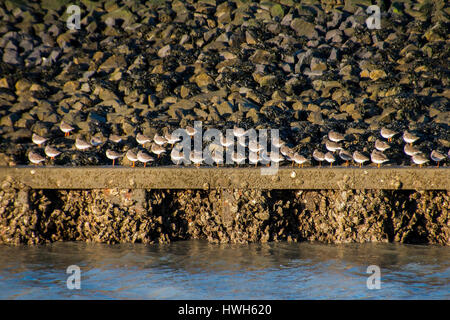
x: 265, y: 157
x: 410, y: 150
x: 115, y: 138
x: 66, y: 128
x: 132, y: 156
x: 159, y: 140
x: 190, y: 131
x: 254, y: 146
x: 437, y: 156
x: 51, y: 152
x: 238, y: 158
x: 171, y: 139
x: 37, y: 139
x: 409, y: 137
x: 242, y: 141
x: 359, y: 158
x: 278, y: 143
x: 318, y: 156
x: 238, y: 132
x: 81, y: 144
x: 276, y: 157
x: 157, y: 149
x: 299, y: 159
x: 335, y: 136
x: 253, y: 158
x: 217, y: 157
x: 381, y: 145
x: 330, y: 158
x: 35, y: 157
x: 142, y: 139
x: 387, y: 133
x: 332, y: 146
x: 346, y: 156
x: 226, y: 143
x: 289, y: 156
x: 196, y: 157
x: 419, y: 159
x: 176, y: 155
x: 112, y: 155
x: 285, y: 150
x: 96, y: 141
x: 144, y: 157
x: 378, y: 157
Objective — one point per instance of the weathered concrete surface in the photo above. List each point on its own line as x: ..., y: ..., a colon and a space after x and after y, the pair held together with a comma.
x: 341, y: 178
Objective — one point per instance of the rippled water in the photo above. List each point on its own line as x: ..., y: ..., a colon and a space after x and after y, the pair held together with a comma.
x: 199, y: 270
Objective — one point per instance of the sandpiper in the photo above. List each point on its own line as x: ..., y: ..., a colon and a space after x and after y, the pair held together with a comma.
x: 242, y: 141
x: 330, y: 158
x: 112, y: 155
x: 409, y: 137
x: 318, y: 156
x: 359, y: 158
x: 387, y: 133
x: 299, y: 159
x: 436, y: 156
x: 226, y: 142
x: 378, y: 157
x: 253, y: 158
x: 144, y: 157
x: 96, y: 141
x: 51, y: 152
x: 332, y: 146
x: 419, y: 159
x: 171, y: 139
x: 239, y: 132
x: 37, y: 139
x: 217, y: 157
x: 35, y: 157
x: 159, y: 140
x: 276, y: 157
x: 115, y: 138
x: 66, y: 128
x: 190, y: 131
x: 238, y: 158
x: 285, y: 150
x: 81, y: 144
x: 277, y: 143
x: 157, y: 149
x: 410, y: 150
x: 346, y: 156
x: 254, y: 146
x: 265, y: 157
x: 289, y: 156
x: 132, y: 156
x: 142, y: 139
x: 381, y: 145
x: 196, y: 157
x: 335, y: 136
x: 176, y: 154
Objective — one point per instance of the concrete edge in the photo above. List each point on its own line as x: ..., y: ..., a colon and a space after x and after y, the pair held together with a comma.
x: 340, y: 178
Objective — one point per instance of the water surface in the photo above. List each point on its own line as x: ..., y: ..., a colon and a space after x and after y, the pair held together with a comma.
x: 199, y: 270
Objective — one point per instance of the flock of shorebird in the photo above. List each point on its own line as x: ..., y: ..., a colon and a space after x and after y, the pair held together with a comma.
x: 257, y: 153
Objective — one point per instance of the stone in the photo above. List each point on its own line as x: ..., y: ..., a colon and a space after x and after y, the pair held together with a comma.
x: 203, y: 80
x: 304, y: 28
x: 377, y: 74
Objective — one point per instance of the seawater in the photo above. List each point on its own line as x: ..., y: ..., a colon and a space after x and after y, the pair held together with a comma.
x: 200, y: 270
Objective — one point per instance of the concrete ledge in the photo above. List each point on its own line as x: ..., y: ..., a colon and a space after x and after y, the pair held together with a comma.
x: 389, y: 178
